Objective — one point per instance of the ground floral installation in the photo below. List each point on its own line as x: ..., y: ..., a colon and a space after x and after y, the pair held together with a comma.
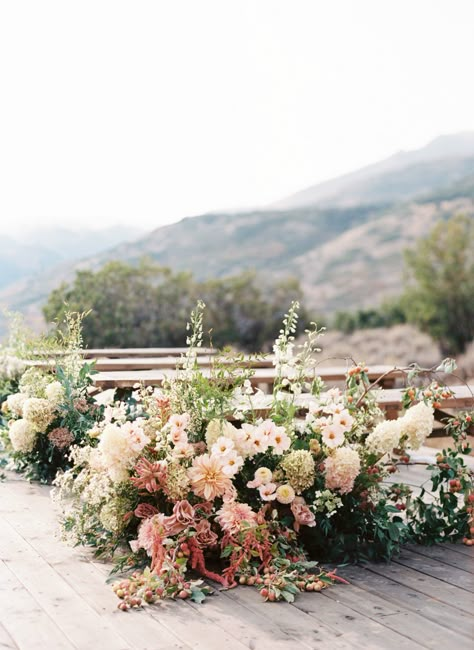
x: 210, y: 477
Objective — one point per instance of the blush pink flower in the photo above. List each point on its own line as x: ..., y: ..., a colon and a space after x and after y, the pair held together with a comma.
x: 232, y: 514
x: 342, y: 468
x: 145, y: 510
x: 222, y: 446
x: 184, y: 512
x: 232, y: 463
x: 267, y: 492
x: 259, y: 441
x: 205, y: 536
x: 178, y: 436
x: 262, y: 476
x: 302, y: 514
x: 180, y: 421
x: 150, y: 531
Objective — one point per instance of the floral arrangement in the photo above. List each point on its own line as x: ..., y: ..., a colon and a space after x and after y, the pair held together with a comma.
x: 49, y: 412
x: 208, y: 476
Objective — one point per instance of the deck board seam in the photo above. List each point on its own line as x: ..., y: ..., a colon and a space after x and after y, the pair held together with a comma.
x: 37, y: 601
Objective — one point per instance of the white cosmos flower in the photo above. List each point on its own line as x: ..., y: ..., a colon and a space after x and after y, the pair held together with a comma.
x: 222, y: 446
x: 280, y: 440
x: 344, y: 419
x: 232, y: 463
x: 333, y: 435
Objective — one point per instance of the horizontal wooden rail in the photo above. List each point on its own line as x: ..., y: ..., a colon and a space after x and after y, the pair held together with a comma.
x: 262, y: 376
x: 129, y: 353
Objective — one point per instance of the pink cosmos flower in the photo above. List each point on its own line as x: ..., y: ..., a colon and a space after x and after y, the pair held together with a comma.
x: 267, y: 492
x: 222, y: 446
x: 183, y: 450
x: 180, y: 421
x: 178, y: 436
x: 259, y: 441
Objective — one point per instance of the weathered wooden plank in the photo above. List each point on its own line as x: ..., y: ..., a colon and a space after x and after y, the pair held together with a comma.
x: 430, y: 567
x: 79, y: 622
x: 426, y: 598
x: 251, y: 628
x: 299, y: 625
x: 445, y: 554
x: 367, y: 631
x: 23, y: 618
x: 74, y: 566
x: 192, y: 627
x: 407, y: 623
x: 6, y: 641
x: 461, y: 548
x: 382, y: 592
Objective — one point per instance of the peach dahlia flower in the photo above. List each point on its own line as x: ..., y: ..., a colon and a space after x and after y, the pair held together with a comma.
x: 207, y: 477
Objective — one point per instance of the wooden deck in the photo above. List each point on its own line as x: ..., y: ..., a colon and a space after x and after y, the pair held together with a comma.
x: 53, y: 597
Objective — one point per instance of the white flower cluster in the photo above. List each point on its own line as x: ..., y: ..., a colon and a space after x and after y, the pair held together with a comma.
x: 384, y: 438
x: 55, y: 393
x: 119, y: 446
x: 417, y: 424
x: 413, y: 427
x: 10, y: 367
x: 22, y: 436
x: 15, y: 403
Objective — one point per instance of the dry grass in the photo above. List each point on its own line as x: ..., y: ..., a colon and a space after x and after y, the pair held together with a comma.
x: 399, y: 345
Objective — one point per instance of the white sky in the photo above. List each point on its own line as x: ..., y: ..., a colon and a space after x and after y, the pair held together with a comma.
x: 143, y: 112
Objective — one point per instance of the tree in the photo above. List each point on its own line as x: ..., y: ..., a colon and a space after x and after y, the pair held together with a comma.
x: 148, y: 306
x: 439, y: 294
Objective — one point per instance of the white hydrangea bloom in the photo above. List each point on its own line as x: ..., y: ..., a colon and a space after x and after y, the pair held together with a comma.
x: 385, y: 437
x: 120, y: 446
x: 22, y: 436
x: 15, y: 403
x: 55, y: 392
x: 39, y: 412
x: 417, y: 424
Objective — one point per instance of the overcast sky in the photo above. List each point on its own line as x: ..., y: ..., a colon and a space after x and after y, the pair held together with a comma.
x: 144, y: 112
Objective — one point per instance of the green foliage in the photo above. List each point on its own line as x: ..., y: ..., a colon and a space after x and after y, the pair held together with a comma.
x: 444, y: 517
x: 146, y: 305
x: 389, y: 313
x: 439, y: 297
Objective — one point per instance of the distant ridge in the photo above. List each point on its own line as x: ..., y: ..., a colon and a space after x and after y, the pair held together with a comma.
x: 446, y: 154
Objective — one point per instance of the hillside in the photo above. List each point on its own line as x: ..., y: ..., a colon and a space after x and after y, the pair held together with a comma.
x: 346, y: 255
x: 406, y: 175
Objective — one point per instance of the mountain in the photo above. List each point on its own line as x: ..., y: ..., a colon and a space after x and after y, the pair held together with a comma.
x: 38, y: 250
x: 404, y: 176
x: 346, y: 250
